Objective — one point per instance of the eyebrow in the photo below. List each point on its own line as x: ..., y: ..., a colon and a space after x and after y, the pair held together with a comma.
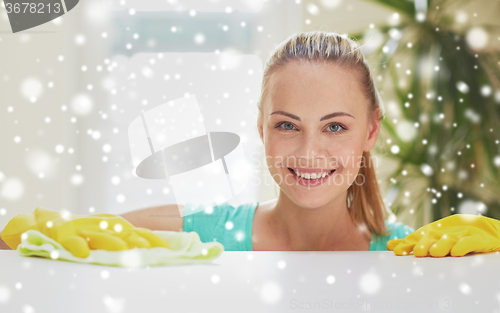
x: 326, y: 117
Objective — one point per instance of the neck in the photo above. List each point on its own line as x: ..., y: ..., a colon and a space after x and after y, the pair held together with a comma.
x: 326, y: 228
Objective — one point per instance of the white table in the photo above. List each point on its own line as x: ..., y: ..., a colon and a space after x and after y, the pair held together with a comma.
x: 260, y: 281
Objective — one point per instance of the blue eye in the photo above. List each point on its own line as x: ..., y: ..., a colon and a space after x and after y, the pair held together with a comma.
x: 285, y: 126
x: 338, y: 127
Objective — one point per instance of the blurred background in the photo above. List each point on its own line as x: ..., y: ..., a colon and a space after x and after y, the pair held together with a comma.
x: 67, y: 99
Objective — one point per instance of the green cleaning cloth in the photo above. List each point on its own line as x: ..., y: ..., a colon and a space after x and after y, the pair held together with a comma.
x: 186, y: 248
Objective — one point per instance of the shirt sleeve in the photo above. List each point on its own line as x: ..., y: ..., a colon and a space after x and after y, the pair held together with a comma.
x: 205, y: 221
x: 229, y: 225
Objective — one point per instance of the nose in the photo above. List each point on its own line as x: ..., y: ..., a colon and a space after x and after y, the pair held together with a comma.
x: 311, y: 151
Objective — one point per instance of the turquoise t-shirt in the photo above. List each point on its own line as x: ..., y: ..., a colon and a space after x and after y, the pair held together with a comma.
x: 232, y: 226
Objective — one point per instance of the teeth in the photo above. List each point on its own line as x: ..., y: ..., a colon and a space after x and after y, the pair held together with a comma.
x: 312, y: 175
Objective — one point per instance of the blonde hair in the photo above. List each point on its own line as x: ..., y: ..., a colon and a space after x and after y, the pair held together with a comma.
x: 365, y: 203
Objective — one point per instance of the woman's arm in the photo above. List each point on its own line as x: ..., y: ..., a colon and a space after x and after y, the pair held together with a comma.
x: 165, y: 217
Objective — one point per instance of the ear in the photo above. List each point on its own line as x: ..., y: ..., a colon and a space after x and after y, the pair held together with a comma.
x: 373, y: 131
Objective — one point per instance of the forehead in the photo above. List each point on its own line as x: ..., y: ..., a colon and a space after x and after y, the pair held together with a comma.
x: 314, y: 86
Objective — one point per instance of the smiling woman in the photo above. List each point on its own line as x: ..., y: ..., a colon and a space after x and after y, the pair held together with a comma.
x: 319, y: 117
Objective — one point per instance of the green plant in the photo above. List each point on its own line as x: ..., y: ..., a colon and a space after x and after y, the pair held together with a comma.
x: 456, y: 143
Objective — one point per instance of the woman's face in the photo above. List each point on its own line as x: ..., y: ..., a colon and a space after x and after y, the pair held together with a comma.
x: 315, y: 120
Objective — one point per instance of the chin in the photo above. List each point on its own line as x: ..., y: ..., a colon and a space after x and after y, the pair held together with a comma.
x: 309, y: 205
x: 308, y: 199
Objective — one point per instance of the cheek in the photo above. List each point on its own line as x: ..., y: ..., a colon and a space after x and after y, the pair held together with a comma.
x: 346, y: 156
x: 277, y: 152
x: 275, y: 146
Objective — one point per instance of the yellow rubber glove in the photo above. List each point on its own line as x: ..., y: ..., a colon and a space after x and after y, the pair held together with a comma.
x: 457, y: 235
x: 81, y: 233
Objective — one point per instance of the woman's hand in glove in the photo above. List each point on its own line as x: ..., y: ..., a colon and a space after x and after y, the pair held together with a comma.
x: 81, y: 233
x: 457, y: 235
